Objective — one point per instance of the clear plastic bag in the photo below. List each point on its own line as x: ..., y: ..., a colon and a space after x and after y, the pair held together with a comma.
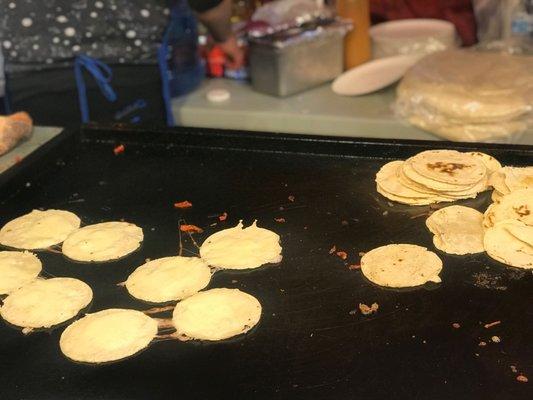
x: 467, y: 95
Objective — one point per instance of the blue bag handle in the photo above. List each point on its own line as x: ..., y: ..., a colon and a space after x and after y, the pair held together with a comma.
x: 101, y: 73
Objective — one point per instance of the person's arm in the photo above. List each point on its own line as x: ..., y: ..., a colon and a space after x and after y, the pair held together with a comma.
x: 216, y: 16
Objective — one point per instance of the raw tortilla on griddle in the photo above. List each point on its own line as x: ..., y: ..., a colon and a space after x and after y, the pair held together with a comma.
x: 241, y: 248
x: 108, y: 335
x: 39, y: 229
x: 216, y: 314
x: 16, y: 269
x: 168, y: 278
x: 102, y: 242
x: 44, y: 303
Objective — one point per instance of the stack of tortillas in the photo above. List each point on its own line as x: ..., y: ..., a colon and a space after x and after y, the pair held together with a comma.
x: 435, y: 176
x: 468, y: 95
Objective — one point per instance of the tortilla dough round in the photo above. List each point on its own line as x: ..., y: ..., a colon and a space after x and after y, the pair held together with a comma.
x: 169, y: 278
x: 106, y: 241
x: 241, y: 248
x: 457, y: 230
x: 401, y: 265
x: 108, y: 335
x: 39, y: 229
x: 44, y: 303
x: 216, y: 314
x: 502, y: 244
x: 16, y: 269
x: 448, y: 167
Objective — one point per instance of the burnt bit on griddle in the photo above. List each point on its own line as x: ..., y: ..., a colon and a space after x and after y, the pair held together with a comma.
x: 187, y: 228
x: 514, y: 369
x: 448, y: 168
x: 291, y: 198
x: 183, y: 204
x: 223, y: 216
x: 353, y: 267
x: 344, y: 222
x: 522, y: 378
x: 456, y: 325
x: 333, y: 249
x: 342, y: 254
x: 482, y: 344
x: 119, y: 149
x: 368, y: 310
x: 280, y: 220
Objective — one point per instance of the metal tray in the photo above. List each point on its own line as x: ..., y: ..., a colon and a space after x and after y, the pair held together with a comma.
x: 308, y: 345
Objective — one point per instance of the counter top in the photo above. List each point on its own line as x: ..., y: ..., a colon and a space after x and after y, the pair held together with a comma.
x: 40, y: 136
x: 317, y: 111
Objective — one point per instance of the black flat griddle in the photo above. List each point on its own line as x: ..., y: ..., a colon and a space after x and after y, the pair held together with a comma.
x: 309, y: 343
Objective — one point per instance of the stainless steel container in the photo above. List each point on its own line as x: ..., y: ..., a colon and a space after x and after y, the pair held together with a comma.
x: 297, y: 59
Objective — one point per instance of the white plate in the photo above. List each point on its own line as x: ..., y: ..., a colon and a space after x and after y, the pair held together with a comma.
x: 373, y: 75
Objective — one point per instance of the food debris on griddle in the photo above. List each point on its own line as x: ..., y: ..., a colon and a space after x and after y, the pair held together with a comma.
x: 280, y: 220
x: 191, y: 229
x: 342, y: 255
x: 490, y: 325
x: 119, y: 149
x: 223, y: 216
x: 183, y: 204
x: 456, y: 325
x: 367, y: 310
x: 522, y: 378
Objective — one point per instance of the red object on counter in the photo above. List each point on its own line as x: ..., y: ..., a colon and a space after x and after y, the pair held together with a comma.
x: 215, y: 62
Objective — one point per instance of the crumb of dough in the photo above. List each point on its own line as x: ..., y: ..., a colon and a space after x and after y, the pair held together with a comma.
x: 456, y: 325
x: 367, y: 310
x: 223, y: 216
x: 333, y: 249
x: 522, y: 378
x: 513, y: 368
x: 496, y: 339
x: 280, y: 220
x: 291, y: 198
x: 482, y: 344
x: 354, y: 266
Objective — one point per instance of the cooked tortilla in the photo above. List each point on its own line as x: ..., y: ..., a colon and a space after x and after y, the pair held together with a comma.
x: 490, y: 162
x: 102, y: 242
x: 16, y: 269
x: 448, y: 167
x: 108, y: 335
x: 216, y: 314
x: 516, y: 205
x: 39, y: 229
x: 241, y: 248
x: 44, y: 303
x: 401, y: 265
x: 390, y: 184
x: 457, y: 230
x: 169, y: 278
x: 502, y: 245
